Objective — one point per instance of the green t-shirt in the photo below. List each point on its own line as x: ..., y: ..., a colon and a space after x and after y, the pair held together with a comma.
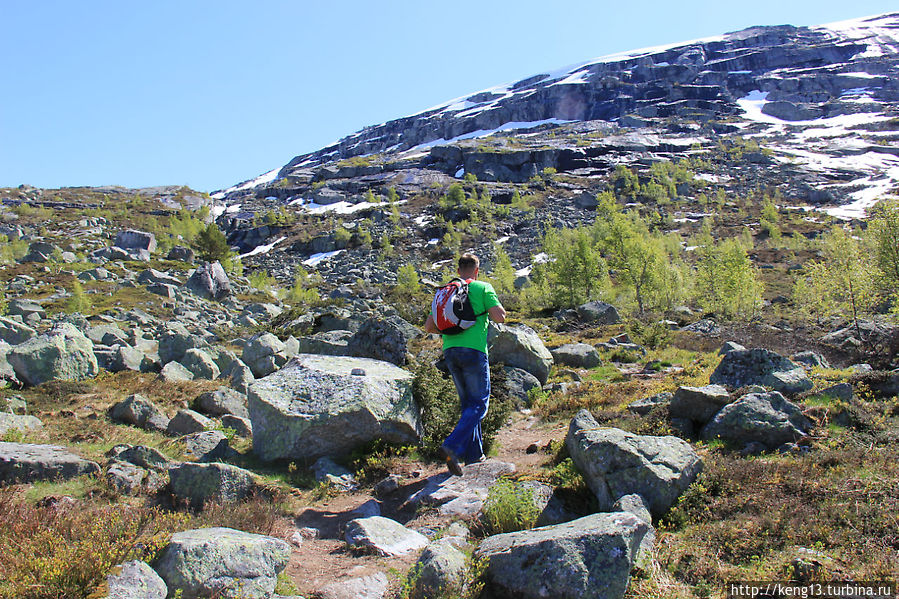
x: 482, y: 297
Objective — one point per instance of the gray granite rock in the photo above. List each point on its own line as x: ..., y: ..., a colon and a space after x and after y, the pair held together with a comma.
x: 698, y: 404
x: 462, y: 495
x: 316, y: 407
x: 760, y: 367
x: 134, y: 580
x: 141, y: 412
x: 61, y: 353
x: 766, y: 418
x: 587, y: 558
x: 186, y: 422
x: 617, y: 463
x: 199, y: 483
x: 577, y: 355
x: 28, y: 463
x: 520, y: 347
x: 222, y: 562
x: 223, y: 401
x: 383, y: 536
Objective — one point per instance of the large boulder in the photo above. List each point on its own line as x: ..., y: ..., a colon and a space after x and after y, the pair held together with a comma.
x: 517, y: 383
x: 698, y: 404
x: 135, y: 240
x: 28, y: 463
x: 141, y: 412
x: 383, y: 536
x: 741, y: 368
x: 329, y: 405
x: 134, y: 580
x: 264, y: 354
x: 62, y: 353
x: 22, y: 423
x: 383, y: 339
x: 441, y: 570
x: 210, y: 281
x: 222, y: 562
x: 766, y: 418
x: 598, y: 312
x: 577, y: 355
x: 175, y: 340
x: 14, y: 332
x: 223, y: 401
x: 617, y: 463
x: 587, y: 558
x: 373, y: 586
x: 200, y: 364
x: 199, y: 483
x: 520, y: 347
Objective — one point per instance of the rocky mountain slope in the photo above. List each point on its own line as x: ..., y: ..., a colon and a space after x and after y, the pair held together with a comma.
x: 815, y: 107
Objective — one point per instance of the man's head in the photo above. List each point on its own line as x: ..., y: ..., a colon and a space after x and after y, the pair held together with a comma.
x: 468, y: 266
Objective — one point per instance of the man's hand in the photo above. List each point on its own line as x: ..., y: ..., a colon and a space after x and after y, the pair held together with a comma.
x: 497, y: 314
x: 430, y: 325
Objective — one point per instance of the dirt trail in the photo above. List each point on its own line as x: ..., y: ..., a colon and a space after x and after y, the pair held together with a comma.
x: 326, y: 558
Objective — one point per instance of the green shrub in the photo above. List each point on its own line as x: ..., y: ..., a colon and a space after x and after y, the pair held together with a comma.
x: 509, y: 507
x: 261, y: 280
x: 78, y: 301
x: 211, y: 244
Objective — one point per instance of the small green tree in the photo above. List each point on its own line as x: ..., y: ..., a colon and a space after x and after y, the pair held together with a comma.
x: 845, y: 278
x: 726, y: 280
x: 503, y: 275
x: 78, y: 300
x: 575, y: 270
x: 883, y: 235
x: 407, y: 281
x: 211, y: 244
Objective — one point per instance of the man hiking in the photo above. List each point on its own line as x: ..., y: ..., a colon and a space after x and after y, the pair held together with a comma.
x: 465, y: 353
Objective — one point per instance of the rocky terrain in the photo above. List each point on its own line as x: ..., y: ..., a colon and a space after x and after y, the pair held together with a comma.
x: 259, y: 416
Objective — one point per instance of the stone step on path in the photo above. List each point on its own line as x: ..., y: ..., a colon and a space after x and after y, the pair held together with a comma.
x: 462, y: 496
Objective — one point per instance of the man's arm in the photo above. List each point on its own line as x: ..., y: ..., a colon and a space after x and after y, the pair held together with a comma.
x: 431, y: 326
x: 496, y: 313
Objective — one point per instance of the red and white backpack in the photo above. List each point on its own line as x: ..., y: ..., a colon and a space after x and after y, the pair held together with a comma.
x: 451, y: 308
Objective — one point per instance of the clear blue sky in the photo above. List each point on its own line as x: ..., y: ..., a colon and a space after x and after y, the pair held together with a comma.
x: 207, y: 94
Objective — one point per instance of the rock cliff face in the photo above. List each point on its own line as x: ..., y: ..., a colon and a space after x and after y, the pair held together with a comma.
x: 806, y: 72
x: 810, y: 112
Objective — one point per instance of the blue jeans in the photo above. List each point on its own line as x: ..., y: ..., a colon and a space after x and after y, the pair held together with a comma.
x: 471, y: 374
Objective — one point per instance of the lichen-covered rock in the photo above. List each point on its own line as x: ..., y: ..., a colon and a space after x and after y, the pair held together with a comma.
x: 141, y: 412
x: 126, y: 477
x: 648, y: 404
x: 517, y: 383
x: 698, y: 404
x: 207, y: 446
x: 315, y: 406
x: 63, y: 353
x: 741, y: 368
x: 28, y: 463
x: 617, y: 463
x: 441, y: 571
x: 520, y: 347
x: 385, y: 338
x: 242, y: 427
x: 598, y: 312
x: 383, y: 536
x: 766, y: 418
x: 134, y: 580
x: 22, y: 423
x: 135, y: 240
x: 373, y: 586
x: 199, y: 483
x: 174, y: 342
x: 175, y: 372
x: 200, y: 364
x: 210, y: 281
x: 186, y: 422
x: 264, y: 354
x: 462, y: 495
x: 223, y: 401
x: 587, y: 558
x: 14, y: 332
x: 577, y: 355
x: 222, y: 562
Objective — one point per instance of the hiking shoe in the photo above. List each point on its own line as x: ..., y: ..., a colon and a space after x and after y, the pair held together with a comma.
x: 452, y: 463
